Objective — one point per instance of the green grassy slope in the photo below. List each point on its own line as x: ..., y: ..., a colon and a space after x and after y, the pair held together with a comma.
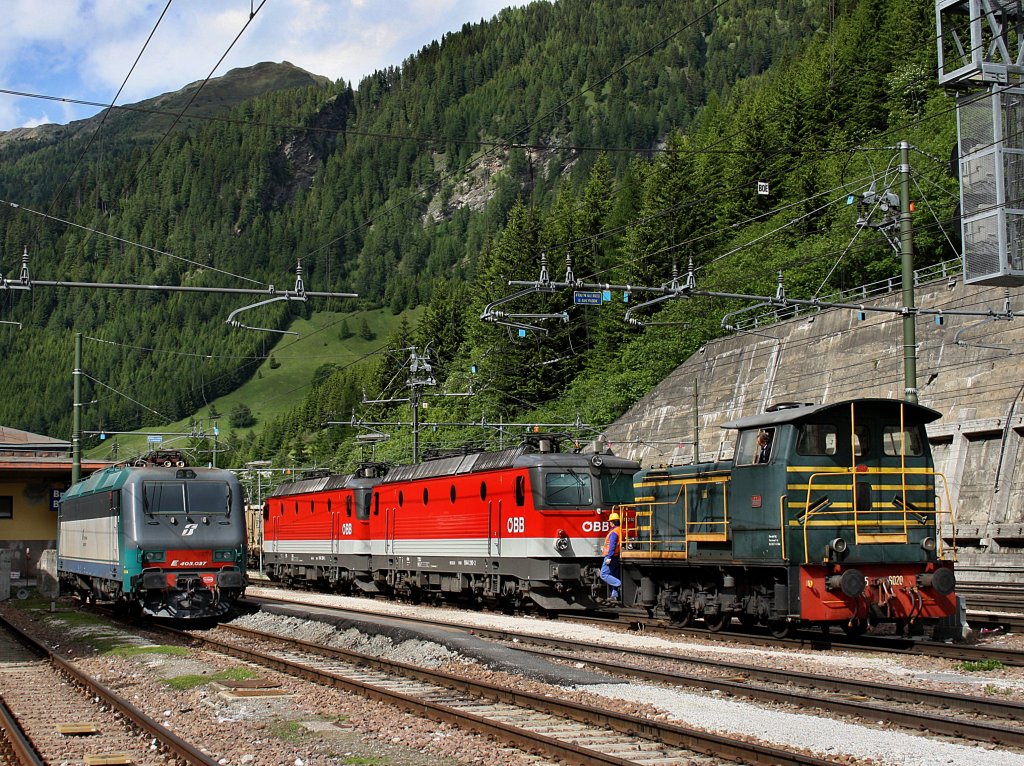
x: 271, y: 392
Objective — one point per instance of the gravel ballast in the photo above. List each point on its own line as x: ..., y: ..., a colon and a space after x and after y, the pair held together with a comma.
x: 712, y: 712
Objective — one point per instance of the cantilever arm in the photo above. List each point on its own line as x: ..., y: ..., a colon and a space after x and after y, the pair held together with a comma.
x: 298, y: 295
x: 630, y: 319
x: 286, y: 297
x: 502, y: 318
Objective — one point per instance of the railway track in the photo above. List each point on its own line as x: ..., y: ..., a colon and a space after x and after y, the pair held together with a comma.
x: 560, y: 729
x: 977, y: 718
x: 874, y: 644
x: 809, y: 642
x: 54, y: 713
x: 994, y: 604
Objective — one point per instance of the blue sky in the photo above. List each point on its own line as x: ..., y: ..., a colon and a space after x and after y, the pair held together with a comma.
x: 84, y: 49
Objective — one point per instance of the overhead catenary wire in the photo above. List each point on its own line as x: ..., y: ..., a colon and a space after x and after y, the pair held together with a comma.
x: 106, y: 112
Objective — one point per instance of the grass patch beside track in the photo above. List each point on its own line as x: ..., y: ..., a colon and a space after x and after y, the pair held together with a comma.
x: 193, y: 680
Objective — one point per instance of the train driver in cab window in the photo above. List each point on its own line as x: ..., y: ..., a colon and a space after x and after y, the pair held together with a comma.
x: 763, y: 453
x: 755, y: 447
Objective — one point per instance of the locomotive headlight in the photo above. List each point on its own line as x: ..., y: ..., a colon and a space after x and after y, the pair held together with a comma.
x: 851, y: 583
x: 839, y: 546
x: 223, y: 555
x: 928, y: 544
x: 562, y: 541
x: 150, y: 557
x: 942, y: 580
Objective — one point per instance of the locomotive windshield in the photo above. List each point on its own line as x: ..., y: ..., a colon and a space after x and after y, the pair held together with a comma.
x: 616, y: 488
x: 909, y: 441
x: 568, y: 488
x: 170, y: 498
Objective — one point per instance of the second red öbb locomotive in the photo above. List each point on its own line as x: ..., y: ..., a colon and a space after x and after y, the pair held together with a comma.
x: 523, y: 525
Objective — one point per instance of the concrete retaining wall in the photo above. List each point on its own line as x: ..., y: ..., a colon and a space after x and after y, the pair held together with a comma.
x: 970, y: 371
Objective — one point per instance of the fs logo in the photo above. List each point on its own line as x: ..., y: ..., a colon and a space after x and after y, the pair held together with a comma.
x: 189, y: 530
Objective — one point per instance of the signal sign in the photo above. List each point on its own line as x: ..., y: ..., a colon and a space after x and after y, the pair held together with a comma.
x: 586, y: 298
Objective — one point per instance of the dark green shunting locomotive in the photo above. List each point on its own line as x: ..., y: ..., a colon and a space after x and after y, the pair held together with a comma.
x: 825, y: 515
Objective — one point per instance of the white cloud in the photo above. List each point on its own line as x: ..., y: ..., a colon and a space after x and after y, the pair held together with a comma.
x: 84, y: 48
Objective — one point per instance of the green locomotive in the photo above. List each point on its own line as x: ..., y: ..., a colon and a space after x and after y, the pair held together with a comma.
x: 825, y: 515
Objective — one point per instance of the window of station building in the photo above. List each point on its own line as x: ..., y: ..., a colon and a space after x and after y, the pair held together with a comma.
x: 451, y: 494
x: 6, y: 507
x: 817, y: 439
x: 568, y: 488
x: 520, y: 491
x: 907, y: 442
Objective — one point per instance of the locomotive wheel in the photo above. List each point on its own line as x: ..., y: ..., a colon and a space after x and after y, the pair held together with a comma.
x: 718, y: 621
x: 782, y: 629
x: 683, y: 619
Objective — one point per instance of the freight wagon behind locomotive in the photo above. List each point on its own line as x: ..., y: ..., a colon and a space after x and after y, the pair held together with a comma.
x: 522, y: 526
x: 826, y: 515
x: 165, y: 542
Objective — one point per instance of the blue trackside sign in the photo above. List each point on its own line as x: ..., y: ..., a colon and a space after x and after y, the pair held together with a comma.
x: 586, y: 298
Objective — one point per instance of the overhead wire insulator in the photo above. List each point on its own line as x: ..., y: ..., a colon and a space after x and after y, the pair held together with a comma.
x: 24, y: 277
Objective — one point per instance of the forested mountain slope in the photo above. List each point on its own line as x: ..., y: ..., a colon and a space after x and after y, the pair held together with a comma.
x: 626, y: 135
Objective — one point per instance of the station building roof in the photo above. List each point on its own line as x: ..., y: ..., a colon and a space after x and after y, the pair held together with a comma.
x: 24, y: 454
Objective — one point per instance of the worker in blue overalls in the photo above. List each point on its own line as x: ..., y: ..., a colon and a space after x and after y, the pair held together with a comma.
x: 610, y: 551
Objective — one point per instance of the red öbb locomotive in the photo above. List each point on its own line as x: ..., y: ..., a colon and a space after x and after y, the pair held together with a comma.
x: 509, y: 528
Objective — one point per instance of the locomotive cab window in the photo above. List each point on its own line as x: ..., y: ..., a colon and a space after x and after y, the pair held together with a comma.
x: 568, y: 488
x: 908, y: 442
x: 363, y: 506
x: 755, y: 446
x: 520, y: 491
x: 175, y: 498
x: 817, y: 439
x: 616, y: 488
x: 861, y: 441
